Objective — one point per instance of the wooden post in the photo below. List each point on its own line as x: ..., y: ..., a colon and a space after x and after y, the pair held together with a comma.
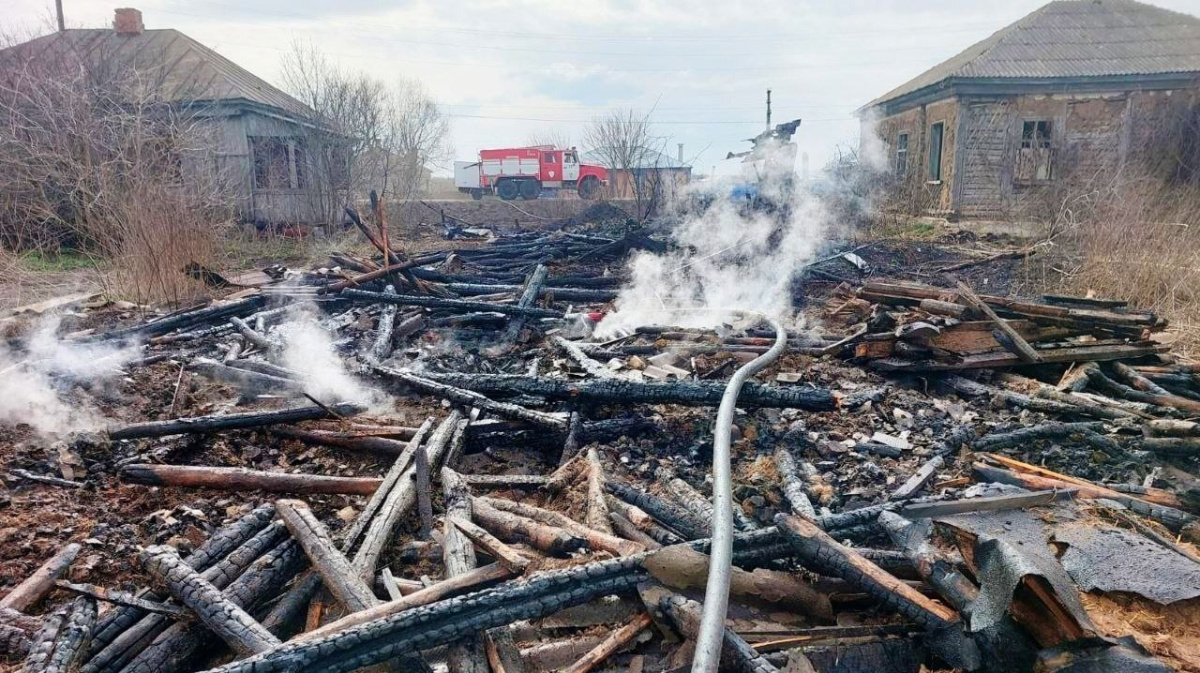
x: 400, y: 500
x: 335, y: 570
x: 27, y: 593
x: 424, y: 496
x: 241, y: 479
x: 459, y: 558
x: 597, y: 511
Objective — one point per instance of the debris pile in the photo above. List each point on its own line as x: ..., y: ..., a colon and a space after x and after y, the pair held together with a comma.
x: 426, y: 460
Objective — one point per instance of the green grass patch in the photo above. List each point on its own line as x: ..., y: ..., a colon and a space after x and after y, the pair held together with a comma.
x: 65, y: 260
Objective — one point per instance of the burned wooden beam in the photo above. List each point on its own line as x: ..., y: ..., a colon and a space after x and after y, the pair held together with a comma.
x: 610, y: 645
x: 736, y: 654
x: 793, y: 483
x: 175, y: 647
x: 219, y: 545
x: 125, y: 598
x: 334, y: 568
x: 528, y: 296
x: 341, y: 440
x: 827, y: 556
x: 237, y: 628
x: 61, y: 645
x: 470, y: 398
x: 1014, y: 342
x: 558, y: 293
x: 540, y: 536
x: 401, y: 499
x: 469, y: 655
x: 619, y: 391
x: 460, y: 305
x: 238, y: 478
x: 184, y: 320
x: 222, y: 422
x: 41, y: 582
x: 679, y: 518
x: 597, y: 540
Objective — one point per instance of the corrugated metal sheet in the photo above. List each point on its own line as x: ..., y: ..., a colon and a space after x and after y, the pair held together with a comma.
x: 1076, y: 38
x: 185, y: 69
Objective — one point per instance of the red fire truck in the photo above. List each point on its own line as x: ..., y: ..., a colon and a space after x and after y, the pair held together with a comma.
x: 526, y: 171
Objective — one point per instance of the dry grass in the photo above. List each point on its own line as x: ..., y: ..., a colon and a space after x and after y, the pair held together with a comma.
x: 1137, y: 240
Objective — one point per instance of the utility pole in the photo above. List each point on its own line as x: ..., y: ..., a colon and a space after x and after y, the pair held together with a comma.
x: 62, y: 24
x: 768, y: 109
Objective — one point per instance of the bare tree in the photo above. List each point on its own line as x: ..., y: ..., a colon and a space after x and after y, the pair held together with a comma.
x: 361, y: 134
x: 558, y: 138
x: 623, y: 141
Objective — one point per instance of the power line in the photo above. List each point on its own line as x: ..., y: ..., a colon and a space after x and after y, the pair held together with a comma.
x: 699, y: 122
x: 623, y: 37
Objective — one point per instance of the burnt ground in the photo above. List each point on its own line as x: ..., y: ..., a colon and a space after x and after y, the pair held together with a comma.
x: 113, y: 520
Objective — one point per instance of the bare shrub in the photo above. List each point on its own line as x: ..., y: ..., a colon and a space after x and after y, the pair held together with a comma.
x: 92, y: 158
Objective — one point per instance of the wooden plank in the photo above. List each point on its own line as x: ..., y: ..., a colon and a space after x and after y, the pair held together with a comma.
x: 1018, y: 345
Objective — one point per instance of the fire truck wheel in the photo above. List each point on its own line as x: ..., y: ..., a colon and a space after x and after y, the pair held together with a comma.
x: 508, y: 190
x: 477, y: 194
x: 589, y: 187
x: 530, y: 189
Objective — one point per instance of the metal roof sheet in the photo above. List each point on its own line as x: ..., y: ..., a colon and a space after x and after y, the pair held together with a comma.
x: 1075, y: 38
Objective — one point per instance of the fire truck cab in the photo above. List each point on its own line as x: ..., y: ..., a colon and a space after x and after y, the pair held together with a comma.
x: 526, y: 171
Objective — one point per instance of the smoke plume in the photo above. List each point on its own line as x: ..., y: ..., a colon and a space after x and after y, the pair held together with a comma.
x: 728, y: 257
x: 37, y: 376
x: 309, y: 350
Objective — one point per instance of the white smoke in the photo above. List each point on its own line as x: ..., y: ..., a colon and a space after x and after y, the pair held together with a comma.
x: 309, y: 351
x: 728, y: 257
x: 36, y: 378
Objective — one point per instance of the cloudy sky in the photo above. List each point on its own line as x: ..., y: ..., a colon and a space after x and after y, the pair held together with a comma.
x: 507, y: 69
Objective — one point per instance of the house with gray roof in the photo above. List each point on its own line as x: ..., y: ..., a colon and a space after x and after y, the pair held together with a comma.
x: 1074, y: 91
x: 260, y: 133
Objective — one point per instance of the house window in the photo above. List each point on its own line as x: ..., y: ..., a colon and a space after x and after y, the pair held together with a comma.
x: 902, y: 154
x: 279, y: 163
x: 935, y: 151
x: 1034, y: 159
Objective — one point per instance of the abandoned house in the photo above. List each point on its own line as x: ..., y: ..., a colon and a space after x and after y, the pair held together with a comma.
x: 259, y: 134
x: 1074, y: 92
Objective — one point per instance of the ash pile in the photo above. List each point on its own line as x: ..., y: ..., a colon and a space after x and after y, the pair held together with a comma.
x: 429, y: 462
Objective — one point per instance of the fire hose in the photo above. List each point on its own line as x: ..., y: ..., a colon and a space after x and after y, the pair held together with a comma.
x: 716, y: 593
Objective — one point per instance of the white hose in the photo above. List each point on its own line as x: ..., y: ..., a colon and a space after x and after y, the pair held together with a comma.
x: 716, y: 593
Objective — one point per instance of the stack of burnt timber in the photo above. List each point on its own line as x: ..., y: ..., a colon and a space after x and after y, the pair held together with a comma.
x: 939, y: 329
x: 521, y: 497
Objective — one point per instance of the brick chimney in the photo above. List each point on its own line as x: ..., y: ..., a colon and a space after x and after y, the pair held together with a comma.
x: 128, y: 21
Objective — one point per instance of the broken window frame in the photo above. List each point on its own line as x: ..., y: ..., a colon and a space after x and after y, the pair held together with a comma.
x: 1035, y: 152
x: 901, y: 166
x: 276, y: 163
x: 936, y: 150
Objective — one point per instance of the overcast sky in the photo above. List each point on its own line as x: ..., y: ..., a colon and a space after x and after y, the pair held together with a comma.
x: 506, y: 69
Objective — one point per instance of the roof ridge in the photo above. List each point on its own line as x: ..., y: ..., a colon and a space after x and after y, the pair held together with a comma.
x: 1072, y: 39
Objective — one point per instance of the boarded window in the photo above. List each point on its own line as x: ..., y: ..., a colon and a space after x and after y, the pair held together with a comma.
x: 902, y: 154
x: 1035, y: 157
x: 300, y: 161
x: 935, y: 151
x: 271, y: 163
